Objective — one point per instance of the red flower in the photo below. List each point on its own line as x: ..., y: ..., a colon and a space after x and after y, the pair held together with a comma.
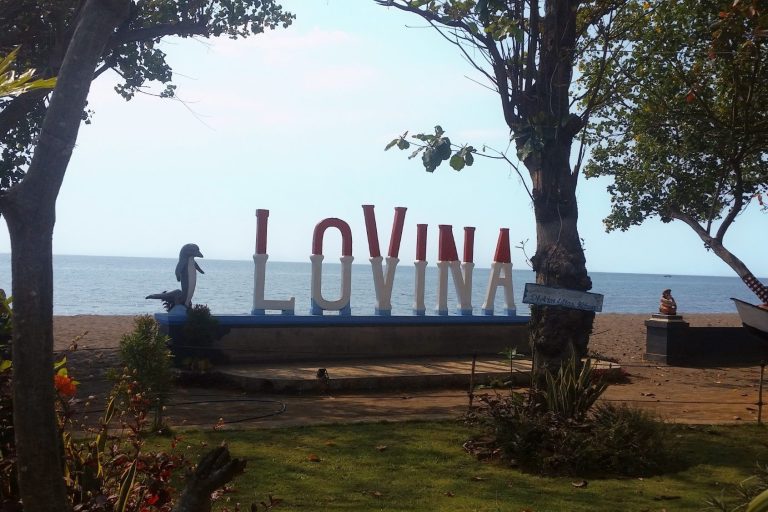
x: 65, y: 385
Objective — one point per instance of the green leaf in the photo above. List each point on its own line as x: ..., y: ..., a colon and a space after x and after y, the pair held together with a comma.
x: 5, y: 364
x: 59, y: 365
x: 391, y: 143
x: 457, y: 162
x: 126, y: 485
x: 403, y: 144
x: 429, y: 160
x: 469, y: 159
x: 13, y: 84
x: 443, y: 149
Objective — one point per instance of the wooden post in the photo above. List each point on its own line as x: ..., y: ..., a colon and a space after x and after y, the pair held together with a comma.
x: 760, y: 394
x: 472, y: 381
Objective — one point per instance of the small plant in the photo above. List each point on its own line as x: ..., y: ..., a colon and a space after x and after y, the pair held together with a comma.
x: 630, y: 441
x: 510, y: 355
x: 201, y: 327
x: 145, y: 354
x: 572, y: 391
x: 556, y: 428
x: 200, y: 332
x: 750, y: 495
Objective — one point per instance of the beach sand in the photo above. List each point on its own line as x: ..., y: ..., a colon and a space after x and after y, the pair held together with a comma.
x: 693, y: 395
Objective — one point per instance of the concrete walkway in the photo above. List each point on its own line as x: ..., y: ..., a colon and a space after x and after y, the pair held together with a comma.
x: 372, y: 374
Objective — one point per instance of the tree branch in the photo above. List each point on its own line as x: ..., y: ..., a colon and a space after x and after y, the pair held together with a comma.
x: 738, y: 203
x: 695, y: 226
x: 184, y: 28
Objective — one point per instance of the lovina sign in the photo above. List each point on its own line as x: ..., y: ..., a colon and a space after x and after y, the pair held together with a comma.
x: 383, y: 268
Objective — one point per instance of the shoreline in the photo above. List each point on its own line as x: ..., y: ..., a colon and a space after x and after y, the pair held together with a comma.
x: 677, y: 394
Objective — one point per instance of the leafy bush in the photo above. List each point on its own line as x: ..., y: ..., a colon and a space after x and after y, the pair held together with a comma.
x: 199, y: 334
x: 104, y: 470
x: 556, y: 428
x: 107, y: 469
x: 630, y: 441
x: 145, y: 354
x: 201, y: 328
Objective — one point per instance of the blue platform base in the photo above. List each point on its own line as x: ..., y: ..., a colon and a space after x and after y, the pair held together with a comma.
x: 276, y: 337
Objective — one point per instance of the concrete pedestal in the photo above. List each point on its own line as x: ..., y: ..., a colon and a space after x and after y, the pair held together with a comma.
x: 665, y: 337
x: 669, y: 339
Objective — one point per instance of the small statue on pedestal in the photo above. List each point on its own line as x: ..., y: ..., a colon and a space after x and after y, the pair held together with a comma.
x: 186, y: 273
x: 667, y: 304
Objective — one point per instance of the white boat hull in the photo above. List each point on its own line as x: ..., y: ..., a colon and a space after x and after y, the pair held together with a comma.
x: 752, y: 316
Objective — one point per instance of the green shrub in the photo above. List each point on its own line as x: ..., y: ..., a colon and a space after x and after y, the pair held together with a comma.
x: 556, y: 428
x: 571, y: 392
x: 201, y: 328
x: 145, y: 354
x: 627, y: 440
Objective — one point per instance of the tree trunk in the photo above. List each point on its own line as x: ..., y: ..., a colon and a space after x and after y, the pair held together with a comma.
x: 29, y: 208
x: 556, y: 332
x: 37, y: 440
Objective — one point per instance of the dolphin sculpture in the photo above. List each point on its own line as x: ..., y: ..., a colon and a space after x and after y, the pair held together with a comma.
x: 186, y: 273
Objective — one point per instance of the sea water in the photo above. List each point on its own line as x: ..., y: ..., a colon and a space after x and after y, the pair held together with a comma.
x: 101, y: 285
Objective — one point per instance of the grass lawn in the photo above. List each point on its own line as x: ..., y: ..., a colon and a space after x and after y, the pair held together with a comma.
x: 422, y: 466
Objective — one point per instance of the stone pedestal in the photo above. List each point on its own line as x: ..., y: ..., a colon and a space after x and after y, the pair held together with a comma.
x: 665, y: 337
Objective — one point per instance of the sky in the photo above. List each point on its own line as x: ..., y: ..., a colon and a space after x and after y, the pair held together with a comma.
x: 295, y: 121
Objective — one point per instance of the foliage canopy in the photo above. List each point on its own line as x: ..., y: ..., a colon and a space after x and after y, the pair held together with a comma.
x: 41, y: 31
x: 684, y: 134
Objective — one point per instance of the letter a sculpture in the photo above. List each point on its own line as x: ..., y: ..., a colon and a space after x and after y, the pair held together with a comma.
x: 186, y: 273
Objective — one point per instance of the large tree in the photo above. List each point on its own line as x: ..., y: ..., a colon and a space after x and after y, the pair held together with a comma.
x: 684, y: 135
x: 527, y: 49
x: 76, y: 40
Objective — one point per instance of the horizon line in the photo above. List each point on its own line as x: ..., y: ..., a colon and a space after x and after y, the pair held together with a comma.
x: 734, y: 275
